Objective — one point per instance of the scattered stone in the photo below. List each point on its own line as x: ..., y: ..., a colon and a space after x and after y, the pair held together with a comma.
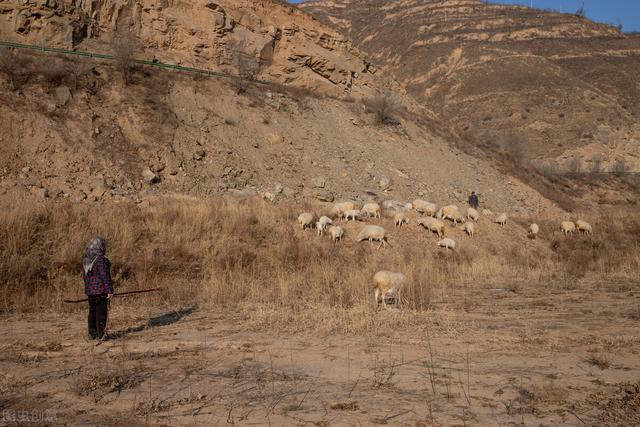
x: 269, y: 197
x: 199, y: 154
x: 279, y: 188
x: 96, y: 131
x: 63, y: 95
x: 318, y: 182
x: 26, y: 169
x: 420, y: 193
x: 150, y: 176
x: 324, y: 196
x: 384, y: 182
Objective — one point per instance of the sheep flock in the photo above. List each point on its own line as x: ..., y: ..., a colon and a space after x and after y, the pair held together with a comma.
x: 386, y: 284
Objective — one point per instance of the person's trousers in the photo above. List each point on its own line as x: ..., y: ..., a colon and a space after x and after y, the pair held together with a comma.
x: 98, y: 312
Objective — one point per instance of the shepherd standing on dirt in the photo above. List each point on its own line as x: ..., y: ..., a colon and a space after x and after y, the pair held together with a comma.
x: 474, y: 202
x: 97, y: 286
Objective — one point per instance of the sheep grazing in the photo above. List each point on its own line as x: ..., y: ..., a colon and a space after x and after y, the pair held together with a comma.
x: 501, y: 219
x: 424, y: 207
x: 433, y: 225
x: 339, y: 208
x: 473, y: 214
x: 583, y: 227
x: 336, y: 232
x: 469, y: 228
x: 400, y: 218
x: 371, y: 210
x: 447, y: 243
x: 371, y: 233
x: 322, y: 223
x: 354, y: 214
x: 567, y: 227
x: 305, y: 220
x: 533, y: 230
x: 487, y: 212
x: 388, y: 285
x: 451, y: 213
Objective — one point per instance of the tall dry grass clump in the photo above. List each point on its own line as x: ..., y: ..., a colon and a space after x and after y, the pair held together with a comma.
x: 225, y: 253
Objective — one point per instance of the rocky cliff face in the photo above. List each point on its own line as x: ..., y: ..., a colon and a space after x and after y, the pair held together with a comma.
x: 285, y: 44
x: 565, y: 86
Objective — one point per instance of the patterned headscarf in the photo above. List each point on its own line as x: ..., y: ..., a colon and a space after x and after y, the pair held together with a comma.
x: 95, y: 248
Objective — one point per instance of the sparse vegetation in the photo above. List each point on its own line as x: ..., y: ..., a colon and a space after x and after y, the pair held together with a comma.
x: 246, y: 64
x: 385, y: 108
x: 515, y: 146
x: 124, y: 46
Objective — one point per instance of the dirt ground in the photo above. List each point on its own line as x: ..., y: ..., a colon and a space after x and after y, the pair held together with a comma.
x: 517, y: 354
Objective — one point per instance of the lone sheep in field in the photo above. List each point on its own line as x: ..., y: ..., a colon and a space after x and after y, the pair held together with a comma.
x: 371, y: 233
x: 339, y: 208
x: 388, y: 285
x: 424, y: 207
x: 305, y: 220
x: 583, y: 227
x: 371, y: 210
x: 447, y: 243
x: 533, y: 230
x: 469, y: 228
x: 433, y: 225
x: 322, y: 223
x: 473, y: 214
x: 336, y: 232
x: 400, y: 218
x: 567, y: 227
x: 354, y: 214
x: 501, y: 219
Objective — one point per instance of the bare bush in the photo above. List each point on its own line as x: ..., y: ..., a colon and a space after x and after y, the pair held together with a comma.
x: 515, y: 146
x: 385, y: 108
x: 574, y: 165
x: 246, y: 64
x: 596, y: 164
x: 620, y: 168
x: 124, y: 46
x: 17, y: 67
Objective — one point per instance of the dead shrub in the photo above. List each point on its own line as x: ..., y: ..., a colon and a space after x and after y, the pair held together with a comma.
x: 515, y: 146
x: 246, y: 64
x: 620, y: 168
x: 124, y: 47
x: 385, y: 107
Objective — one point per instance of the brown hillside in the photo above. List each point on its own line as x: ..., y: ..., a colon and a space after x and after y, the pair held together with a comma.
x: 564, y: 85
x: 72, y: 129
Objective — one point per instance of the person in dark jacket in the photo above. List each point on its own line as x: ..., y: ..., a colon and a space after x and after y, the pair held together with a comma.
x: 474, y: 202
x: 96, y: 270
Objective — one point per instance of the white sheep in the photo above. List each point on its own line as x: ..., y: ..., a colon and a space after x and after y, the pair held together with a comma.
x: 469, y: 228
x: 501, y: 219
x: 388, y: 285
x: 339, y: 208
x: 447, y: 243
x: 451, y: 213
x: 424, y: 207
x: 487, y: 212
x: 371, y: 210
x: 432, y: 224
x: 336, y: 232
x: 473, y: 214
x: 583, y: 226
x: 567, y: 227
x: 322, y: 223
x: 371, y: 233
x: 305, y: 220
x: 354, y: 214
x: 400, y: 218
x: 533, y: 230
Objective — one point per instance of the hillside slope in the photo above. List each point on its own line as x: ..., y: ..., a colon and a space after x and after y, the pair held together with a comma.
x: 72, y: 129
x: 563, y: 84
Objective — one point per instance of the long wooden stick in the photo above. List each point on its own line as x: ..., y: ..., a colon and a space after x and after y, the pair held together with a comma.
x: 69, y: 301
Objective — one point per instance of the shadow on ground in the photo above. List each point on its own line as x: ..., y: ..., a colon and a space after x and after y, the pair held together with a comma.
x: 166, y: 319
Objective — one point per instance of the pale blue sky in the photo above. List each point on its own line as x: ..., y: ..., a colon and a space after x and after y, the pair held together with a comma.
x: 625, y: 12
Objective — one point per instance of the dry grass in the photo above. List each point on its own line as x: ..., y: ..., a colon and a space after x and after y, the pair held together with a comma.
x: 226, y: 253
